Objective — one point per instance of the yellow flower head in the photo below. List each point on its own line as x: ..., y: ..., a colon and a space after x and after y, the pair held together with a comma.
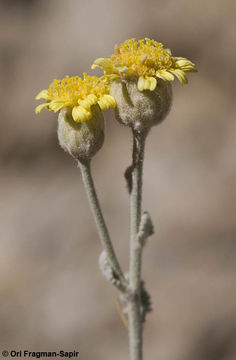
x: 78, y: 94
x: 147, y: 60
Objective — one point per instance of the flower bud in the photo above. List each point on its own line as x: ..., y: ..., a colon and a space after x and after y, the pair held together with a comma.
x: 141, y: 109
x: 81, y: 140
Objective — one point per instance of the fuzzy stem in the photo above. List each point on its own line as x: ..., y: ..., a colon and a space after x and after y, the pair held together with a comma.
x: 135, y: 321
x: 100, y: 222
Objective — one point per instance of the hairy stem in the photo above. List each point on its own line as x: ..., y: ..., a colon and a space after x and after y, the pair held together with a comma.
x: 135, y: 321
x: 100, y: 222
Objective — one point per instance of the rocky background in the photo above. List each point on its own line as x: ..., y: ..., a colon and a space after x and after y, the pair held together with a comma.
x: 52, y: 294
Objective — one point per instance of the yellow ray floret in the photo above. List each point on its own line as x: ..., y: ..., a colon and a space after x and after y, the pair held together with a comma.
x: 78, y: 94
x: 147, y: 60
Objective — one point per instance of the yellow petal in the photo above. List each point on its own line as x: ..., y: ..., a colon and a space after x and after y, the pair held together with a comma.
x: 110, y: 100
x: 106, y: 102
x: 88, y: 102
x: 56, y: 105
x: 40, y: 107
x: 180, y: 74
x: 167, y: 75
x: 159, y: 75
x: 179, y: 58
x: 186, y: 65
x: 105, y: 64
x: 141, y: 81
x: 80, y: 114
x: 92, y: 98
x: 151, y: 83
x: 111, y: 76
x: 146, y: 84
x: 183, y: 62
x: 42, y: 95
x: 189, y: 68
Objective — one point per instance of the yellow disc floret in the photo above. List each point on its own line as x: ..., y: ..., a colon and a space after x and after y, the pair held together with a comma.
x: 147, y: 60
x: 78, y: 94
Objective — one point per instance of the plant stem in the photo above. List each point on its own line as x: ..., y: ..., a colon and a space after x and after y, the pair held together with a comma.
x: 100, y: 222
x: 135, y: 321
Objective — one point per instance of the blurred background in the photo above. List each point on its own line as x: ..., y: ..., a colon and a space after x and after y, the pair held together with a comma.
x: 52, y: 294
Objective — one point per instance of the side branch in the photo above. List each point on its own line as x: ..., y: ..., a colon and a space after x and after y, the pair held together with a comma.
x: 100, y: 222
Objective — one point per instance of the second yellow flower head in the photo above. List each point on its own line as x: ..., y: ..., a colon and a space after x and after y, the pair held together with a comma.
x: 147, y: 60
